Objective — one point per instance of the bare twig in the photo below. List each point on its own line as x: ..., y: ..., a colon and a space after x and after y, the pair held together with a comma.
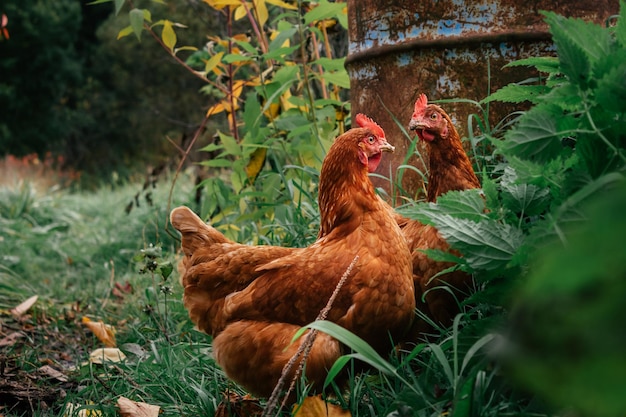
x: 305, y: 348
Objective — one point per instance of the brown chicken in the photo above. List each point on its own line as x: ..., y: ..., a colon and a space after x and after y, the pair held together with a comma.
x: 449, y: 169
x: 253, y: 299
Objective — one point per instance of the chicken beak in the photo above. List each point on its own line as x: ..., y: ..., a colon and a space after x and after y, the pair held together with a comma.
x: 387, y: 147
x: 416, y: 125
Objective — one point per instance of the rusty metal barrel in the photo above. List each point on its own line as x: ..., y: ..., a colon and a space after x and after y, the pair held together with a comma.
x: 446, y: 49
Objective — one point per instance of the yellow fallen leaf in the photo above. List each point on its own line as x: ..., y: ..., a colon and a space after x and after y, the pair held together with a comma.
x: 317, y: 407
x: 102, y: 355
x: 104, y: 332
x: 130, y: 408
x: 24, y: 306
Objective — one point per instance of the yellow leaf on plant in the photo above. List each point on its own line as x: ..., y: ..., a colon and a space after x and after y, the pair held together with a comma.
x: 130, y: 408
x: 220, y: 4
x: 282, y: 4
x: 317, y: 407
x: 168, y: 35
x: 24, y: 306
x: 257, y: 160
x: 261, y: 11
x: 103, y: 355
x: 240, y: 12
x: 213, y: 62
x: 104, y: 332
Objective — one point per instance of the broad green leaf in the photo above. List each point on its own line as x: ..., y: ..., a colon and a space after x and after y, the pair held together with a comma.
x: 590, y: 37
x: 467, y: 204
x: 611, y: 89
x: 485, y: 245
x: 535, y: 135
x: 515, y: 93
x: 118, y: 5
x: 521, y: 197
x: 543, y: 64
x: 136, y: 22
x: 217, y: 163
x: 282, y: 37
x: 280, y: 52
x: 336, y: 64
x: 339, y: 78
x: 232, y: 58
x: 168, y: 35
x: 324, y: 10
x: 579, y: 45
x: 230, y: 144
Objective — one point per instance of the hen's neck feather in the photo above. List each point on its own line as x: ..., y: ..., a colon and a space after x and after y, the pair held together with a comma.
x: 449, y: 166
x: 345, y: 190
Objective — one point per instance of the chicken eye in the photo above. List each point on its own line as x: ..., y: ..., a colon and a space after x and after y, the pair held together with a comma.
x: 371, y: 139
x: 433, y: 116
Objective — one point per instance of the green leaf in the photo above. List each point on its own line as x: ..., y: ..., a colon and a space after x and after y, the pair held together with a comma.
x: 118, y: 5
x: 232, y: 58
x: 168, y: 35
x: 136, y: 21
x: 521, y: 197
x: 331, y: 64
x: 535, y: 135
x: 544, y: 64
x: 324, y: 10
x: 611, y: 90
x: 339, y: 78
x: 467, y: 204
x: 230, y: 144
x: 282, y: 36
x: 579, y: 45
x: 515, y: 93
x: 354, y: 342
x: 485, y: 245
x: 217, y: 163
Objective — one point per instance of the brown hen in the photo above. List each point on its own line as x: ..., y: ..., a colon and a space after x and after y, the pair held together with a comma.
x: 449, y: 169
x: 253, y: 299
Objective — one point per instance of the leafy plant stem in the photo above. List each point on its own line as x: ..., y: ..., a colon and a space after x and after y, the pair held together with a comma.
x: 597, y: 131
x: 233, y: 114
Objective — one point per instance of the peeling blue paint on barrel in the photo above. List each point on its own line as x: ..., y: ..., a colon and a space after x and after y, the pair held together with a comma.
x: 444, y: 48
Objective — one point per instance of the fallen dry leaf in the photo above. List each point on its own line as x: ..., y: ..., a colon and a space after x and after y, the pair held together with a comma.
x: 104, y: 332
x: 102, y: 355
x: 53, y: 373
x: 24, y: 306
x: 10, y: 339
x: 317, y: 407
x: 130, y: 408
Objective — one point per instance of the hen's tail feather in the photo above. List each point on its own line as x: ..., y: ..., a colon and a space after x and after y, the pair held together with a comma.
x: 195, y: 233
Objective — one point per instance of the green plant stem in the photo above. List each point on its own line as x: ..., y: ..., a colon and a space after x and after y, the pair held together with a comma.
x: 598, y: 132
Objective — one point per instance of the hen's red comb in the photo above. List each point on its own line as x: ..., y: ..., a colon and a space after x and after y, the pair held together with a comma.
x: 420, y: 103
x: 364, y: 121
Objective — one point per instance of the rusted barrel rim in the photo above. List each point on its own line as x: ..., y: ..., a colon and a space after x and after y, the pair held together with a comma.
x: 449, y: 42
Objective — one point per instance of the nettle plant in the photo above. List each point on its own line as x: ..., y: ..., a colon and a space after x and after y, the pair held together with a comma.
x: 275, y: 77
x: 570, y: 147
